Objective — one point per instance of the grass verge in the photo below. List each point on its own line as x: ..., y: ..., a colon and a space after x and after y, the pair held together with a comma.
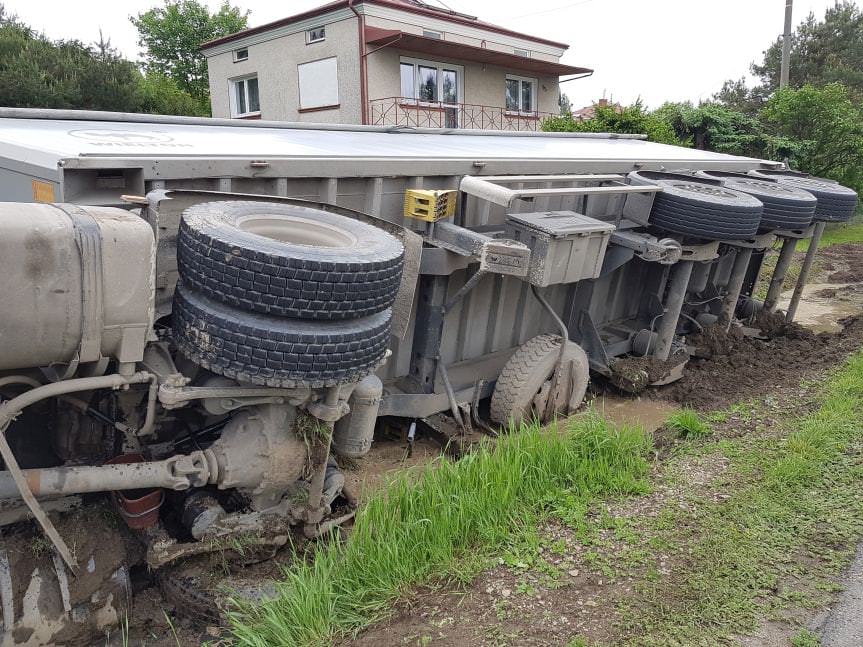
x: 789, y: 517
x: 433, y: 529
x: 836, y: 234
x: 688, y: 424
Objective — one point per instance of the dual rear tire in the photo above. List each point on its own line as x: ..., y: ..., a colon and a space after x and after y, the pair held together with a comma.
x: 700, y: 208
x: 283, y: 295
x: 836, y: 203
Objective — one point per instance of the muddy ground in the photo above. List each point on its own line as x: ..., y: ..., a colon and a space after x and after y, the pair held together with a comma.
x: 731, y: 367
x: 727, y: 368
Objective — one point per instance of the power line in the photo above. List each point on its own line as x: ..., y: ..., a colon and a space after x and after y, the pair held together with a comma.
x: 445, y: 5
x: 537, y: 13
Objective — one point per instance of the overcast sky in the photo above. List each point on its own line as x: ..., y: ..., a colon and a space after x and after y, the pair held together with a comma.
x: 658, y: 50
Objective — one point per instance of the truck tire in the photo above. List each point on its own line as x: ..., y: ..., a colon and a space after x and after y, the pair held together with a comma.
x: 785, y: 206
x: 527, y: 371
x: 701, y: 208
x: 275, y: 351
x: 288, y: 260
x: 836, y: 203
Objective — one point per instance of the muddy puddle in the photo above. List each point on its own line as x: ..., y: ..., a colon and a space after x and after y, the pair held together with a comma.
x: 647, y: 413
x: 824, y: 305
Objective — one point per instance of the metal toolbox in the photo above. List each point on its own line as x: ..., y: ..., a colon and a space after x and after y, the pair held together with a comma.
x: 565, y: 246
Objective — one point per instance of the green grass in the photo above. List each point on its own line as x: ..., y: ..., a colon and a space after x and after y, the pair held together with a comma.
x: 434, y: 530
x: 805, y: 638
x: 688, y: 424
x: 790, y: 517
x: 848, y: 232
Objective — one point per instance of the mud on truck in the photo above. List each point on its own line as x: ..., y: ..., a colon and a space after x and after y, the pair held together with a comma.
x: 202, y: 319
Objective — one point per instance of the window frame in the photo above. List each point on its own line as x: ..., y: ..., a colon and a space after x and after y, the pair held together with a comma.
x: 441, y: 67
x: 233, y: 97
x: 301, y: 108
x: 238, y: 58
x: 430, y: 33
x: 534, y: 97
x: 312, y: 41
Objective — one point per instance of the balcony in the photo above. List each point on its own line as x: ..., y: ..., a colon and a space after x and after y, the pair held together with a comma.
x: 401, y: 111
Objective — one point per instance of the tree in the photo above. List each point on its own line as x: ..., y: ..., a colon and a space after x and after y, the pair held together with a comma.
x: 825, y: 126
x: 565, y: 104
x: 172, y: 35
x: 632, y: 119
x: 822, y: 52
x: 162, y: 96
x: 36, y: 72
x: 716, y: 127
x: 735, y: 95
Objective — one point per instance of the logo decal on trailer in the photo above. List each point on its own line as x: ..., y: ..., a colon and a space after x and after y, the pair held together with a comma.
x: 112, y: 137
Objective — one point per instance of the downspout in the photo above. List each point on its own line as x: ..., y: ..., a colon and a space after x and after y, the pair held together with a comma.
x: 364, y: 71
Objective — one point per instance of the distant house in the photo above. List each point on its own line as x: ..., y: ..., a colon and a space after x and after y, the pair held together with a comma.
x: 589, y: 112
x: 387, y: 62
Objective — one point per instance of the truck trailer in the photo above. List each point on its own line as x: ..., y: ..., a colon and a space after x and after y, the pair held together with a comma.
x: 202, y: 317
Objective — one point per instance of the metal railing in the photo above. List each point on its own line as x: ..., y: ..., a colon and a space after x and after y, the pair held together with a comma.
x: 402, y: 111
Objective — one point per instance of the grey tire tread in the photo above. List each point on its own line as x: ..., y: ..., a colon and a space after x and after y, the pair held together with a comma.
x: 705, y: 227
x: 260, y: 274
x: 520, y: 379
x: 701, y: 207
x: 274, y: 351
x: 734, y: 218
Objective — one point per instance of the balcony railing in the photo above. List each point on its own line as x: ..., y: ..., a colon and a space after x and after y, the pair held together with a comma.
x: 401, y: 111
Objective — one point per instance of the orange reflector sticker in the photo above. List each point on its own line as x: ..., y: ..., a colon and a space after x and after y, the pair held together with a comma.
x: 43, y: 191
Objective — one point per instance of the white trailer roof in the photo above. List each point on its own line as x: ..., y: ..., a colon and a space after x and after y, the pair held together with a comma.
x: 47, y: 142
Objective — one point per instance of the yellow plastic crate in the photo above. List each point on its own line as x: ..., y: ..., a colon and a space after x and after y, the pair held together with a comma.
x: 430, y: 206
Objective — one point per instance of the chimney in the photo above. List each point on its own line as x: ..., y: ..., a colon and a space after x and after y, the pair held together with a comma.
x: 602, y: 103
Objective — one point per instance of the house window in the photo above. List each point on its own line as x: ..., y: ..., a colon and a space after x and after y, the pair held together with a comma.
x: 241, y: 55
x: 316, y: 35
x: 522, y: 52
x: 433, y: 34
x: 319, y: 84
x: 520, y: 94
x: 427, y: 79
x: 245, y: 99
x: 431, y: 82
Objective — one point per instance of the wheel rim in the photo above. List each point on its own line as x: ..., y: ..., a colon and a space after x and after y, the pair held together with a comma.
x: 296, y: 231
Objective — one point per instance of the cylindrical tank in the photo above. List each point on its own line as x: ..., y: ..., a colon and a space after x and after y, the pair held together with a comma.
x: 77, y: 281
x: 353, y: 434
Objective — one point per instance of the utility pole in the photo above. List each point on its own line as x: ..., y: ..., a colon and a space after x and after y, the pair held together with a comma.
x: 786, y: 46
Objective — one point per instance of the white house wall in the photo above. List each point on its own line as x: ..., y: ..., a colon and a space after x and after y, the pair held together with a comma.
x: 275, y: 61
x: 484, y: 85
x: 275, y: 54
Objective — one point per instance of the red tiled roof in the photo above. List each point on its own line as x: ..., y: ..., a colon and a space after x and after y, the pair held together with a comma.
x: 418, y: 8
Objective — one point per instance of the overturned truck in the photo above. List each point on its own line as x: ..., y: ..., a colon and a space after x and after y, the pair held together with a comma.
x: 201, y: 315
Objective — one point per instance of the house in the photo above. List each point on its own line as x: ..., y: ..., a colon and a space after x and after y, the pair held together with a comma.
x: 589, y: 112
x: 387, y: 62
